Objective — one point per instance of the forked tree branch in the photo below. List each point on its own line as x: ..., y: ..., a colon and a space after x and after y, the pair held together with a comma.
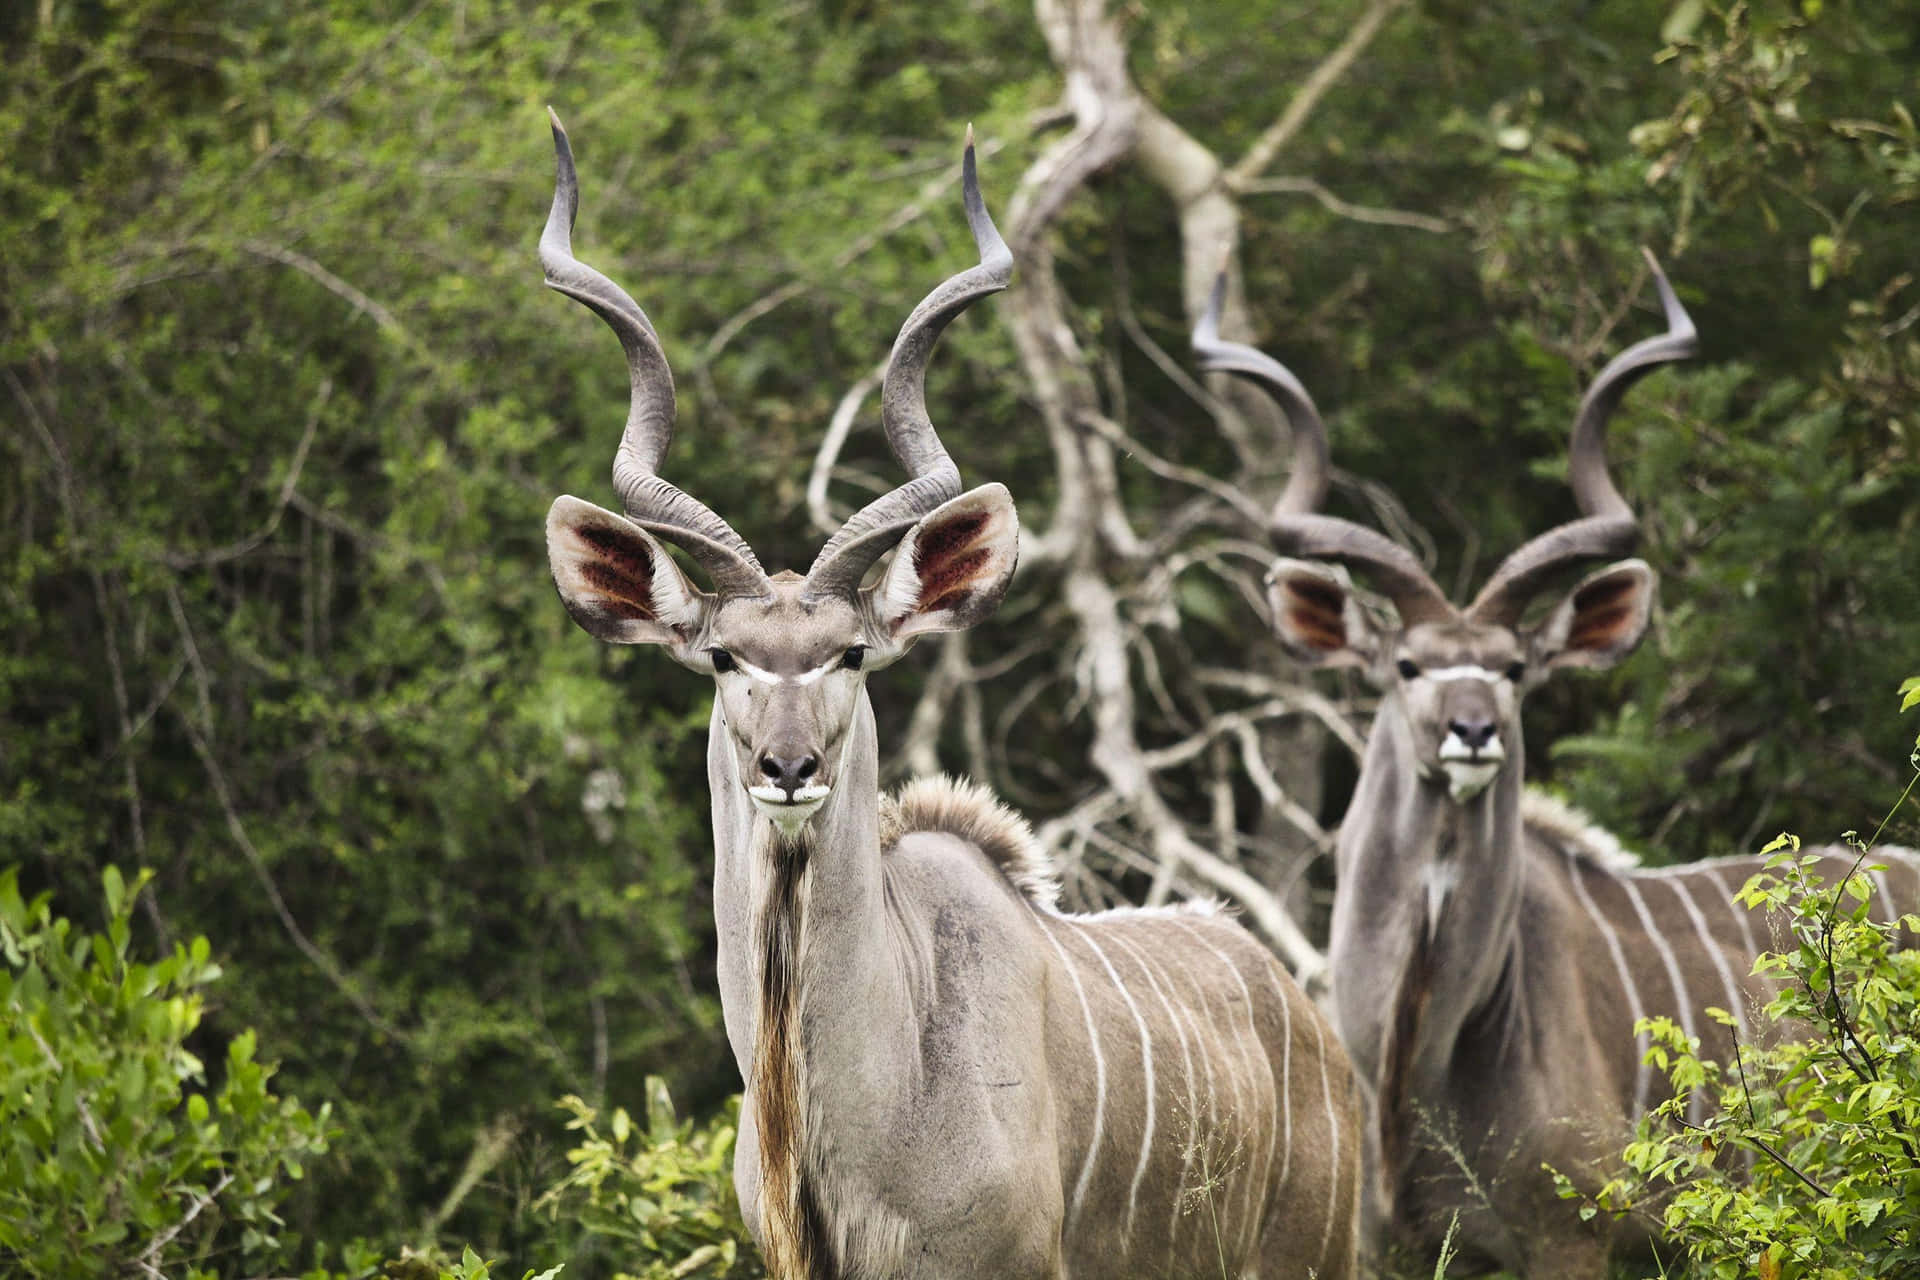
x: 1274, y: 138
x: 1127, y: 674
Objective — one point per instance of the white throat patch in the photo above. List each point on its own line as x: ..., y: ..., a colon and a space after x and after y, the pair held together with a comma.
x: 1465, y: 781
x: 1439, y: 878
x: 789, y: 815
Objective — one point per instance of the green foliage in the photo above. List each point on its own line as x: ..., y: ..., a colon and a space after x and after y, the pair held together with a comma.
x: 119, y: 1151
x: 1810, y: 1166
x: 1773, y: 482
x: 658, y: 1199
x: 285, y: 404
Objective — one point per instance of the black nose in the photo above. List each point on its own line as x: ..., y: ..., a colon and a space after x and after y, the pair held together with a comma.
x: 1475, y: 733
x: 789, y: 774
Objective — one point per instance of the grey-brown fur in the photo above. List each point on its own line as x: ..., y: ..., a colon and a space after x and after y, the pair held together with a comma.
x: 1253, y: 1149
x: 975, y: 815
x: 1489, y: 956
x: 1491, y: 953
x: 945, y: 1078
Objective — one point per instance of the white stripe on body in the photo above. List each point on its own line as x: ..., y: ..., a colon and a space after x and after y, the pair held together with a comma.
x: 1186, y: 1058
x: 1885, y: 895
x: 1211, y: 1148
x: 1333, y: 1143
x: 1199, y: 1138
x: 1680, y: 996
x: 1741, y: 915
x: 1641, y: 1039
x: 1286, y: 1076
x: 1256, y: 1185
x: 1099, y: 1078
x: 1146, y: 1070
x: 1736, y: 1005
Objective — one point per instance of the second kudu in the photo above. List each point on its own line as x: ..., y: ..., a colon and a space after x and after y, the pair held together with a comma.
x: 1491, y: 951
x: 946, y: 1076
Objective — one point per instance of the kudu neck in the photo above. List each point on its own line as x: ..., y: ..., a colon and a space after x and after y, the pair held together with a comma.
x: 1428, y: 898
x: 840, y: 886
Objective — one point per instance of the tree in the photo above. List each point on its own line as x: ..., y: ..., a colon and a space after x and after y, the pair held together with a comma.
x: 285, y: 404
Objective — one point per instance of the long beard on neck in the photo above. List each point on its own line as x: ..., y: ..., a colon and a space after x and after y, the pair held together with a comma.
x: 792, y: 1228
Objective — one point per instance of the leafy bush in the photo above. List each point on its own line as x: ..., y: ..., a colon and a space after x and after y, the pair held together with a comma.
x: 661, y: 1198
x: 117, y: 1154
x: 1811, y: 1166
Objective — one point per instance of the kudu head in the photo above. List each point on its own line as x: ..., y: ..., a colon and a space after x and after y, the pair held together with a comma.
x: 1451, y: 676
x: 789, y: 653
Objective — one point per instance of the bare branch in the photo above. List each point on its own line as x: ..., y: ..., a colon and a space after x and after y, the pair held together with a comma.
x: 53, y: 1060
x: 233, y: 551
x: 920, y: 751
x: 818, y: 511
x: 1272, y: 794
x: 237, y: 829
x: 1285, y: 698
x: 1307, y: 97
x: 149, y: 1257
x: 929, y: 196
x: 1153, y: 462
x: 333, y: 284
x: 1295, y: 703
x: 1352, y: 212
x: 122, y: 701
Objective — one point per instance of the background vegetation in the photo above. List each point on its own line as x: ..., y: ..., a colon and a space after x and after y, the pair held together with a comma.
x: 284, y: 404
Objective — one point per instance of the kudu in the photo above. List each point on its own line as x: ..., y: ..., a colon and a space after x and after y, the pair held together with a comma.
x: 946, y: 1076
x: 1490, y: 950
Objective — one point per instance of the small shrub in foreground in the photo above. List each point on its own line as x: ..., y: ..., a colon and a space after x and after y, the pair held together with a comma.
x: 117, y: 1156
x: 660, y: 1197
x: 1810, y: 1167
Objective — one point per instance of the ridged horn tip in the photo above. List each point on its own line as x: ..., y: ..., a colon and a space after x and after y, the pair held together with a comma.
x: 1679, y: 323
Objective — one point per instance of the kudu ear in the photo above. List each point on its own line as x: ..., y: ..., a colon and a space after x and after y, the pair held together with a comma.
x: 1316, y: 617
x: 951, y: 569
x: 1600, y: 622
x: 618, y: 582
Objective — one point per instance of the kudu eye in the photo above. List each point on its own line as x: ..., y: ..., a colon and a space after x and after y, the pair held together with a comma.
x: 854, y: 656
x: 1515, y: 670
x: 722, y: 660
x: 1407, y: 669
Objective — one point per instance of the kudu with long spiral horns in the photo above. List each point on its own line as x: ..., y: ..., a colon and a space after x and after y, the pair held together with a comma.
x: 1491, y: 951
x: 946, y: 1075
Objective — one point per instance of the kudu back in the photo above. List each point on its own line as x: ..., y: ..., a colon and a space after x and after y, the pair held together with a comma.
x: 1491, y: 950
x: 946, y: 1075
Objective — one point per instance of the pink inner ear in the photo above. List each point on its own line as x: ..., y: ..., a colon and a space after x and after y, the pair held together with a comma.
x: 946, y: 560
x: 1603, y: 614
x: 619, y: 573
x: 1314, y: 613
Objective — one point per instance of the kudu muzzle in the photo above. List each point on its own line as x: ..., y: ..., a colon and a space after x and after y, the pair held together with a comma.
x: 1471, y: 751
x: 789, y: 779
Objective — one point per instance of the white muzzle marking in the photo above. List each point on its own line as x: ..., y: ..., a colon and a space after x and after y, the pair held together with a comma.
x: 1469, y: 770
x: 789, y: 814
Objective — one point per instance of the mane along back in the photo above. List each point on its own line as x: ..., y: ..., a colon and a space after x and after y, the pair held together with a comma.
x: 970, y: 812
x: 1552, y: 819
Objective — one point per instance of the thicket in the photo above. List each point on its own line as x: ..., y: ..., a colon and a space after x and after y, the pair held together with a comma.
x: 284, y: 405
x: 1807, y: 1167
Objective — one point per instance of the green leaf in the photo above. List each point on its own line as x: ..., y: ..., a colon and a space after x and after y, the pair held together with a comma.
x: 115, y: 888
x: 1910, y: 693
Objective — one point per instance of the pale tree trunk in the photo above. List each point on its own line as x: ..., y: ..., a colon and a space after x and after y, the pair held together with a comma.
x: 1092, y: 544
x: 1172, y: 811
